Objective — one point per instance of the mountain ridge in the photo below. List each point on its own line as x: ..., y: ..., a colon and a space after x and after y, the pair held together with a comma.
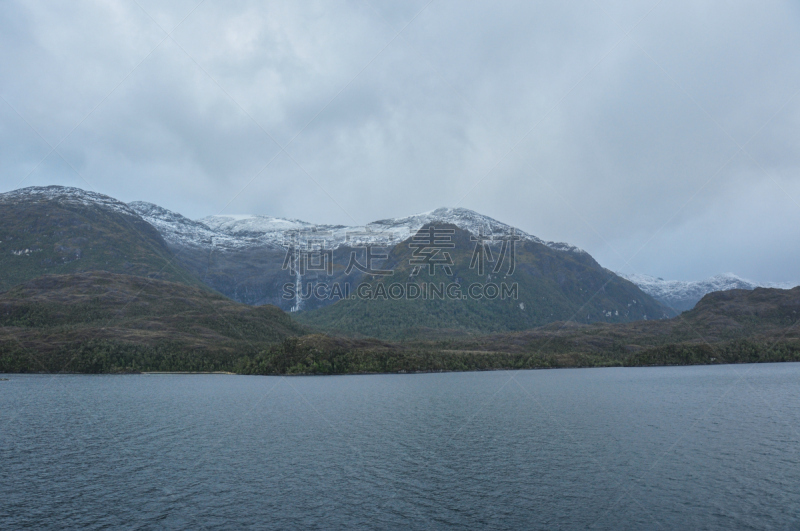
x: 244, y: 230
x: 68, y: 194
x: 244, y: 257
x: 239, y: 232
x: 545, y: 285
x: 683, y: 295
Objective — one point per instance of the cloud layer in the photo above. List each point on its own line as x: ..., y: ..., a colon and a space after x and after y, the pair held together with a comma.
x: 662, y: 137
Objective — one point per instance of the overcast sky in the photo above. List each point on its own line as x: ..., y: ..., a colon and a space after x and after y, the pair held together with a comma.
x: 662, y: 137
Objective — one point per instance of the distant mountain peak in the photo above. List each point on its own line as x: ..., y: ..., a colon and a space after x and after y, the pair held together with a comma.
x: 684, y: 294
x: 469, y: 220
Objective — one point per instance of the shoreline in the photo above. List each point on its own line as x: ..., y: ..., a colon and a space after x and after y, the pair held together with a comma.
x: 175, y: 372
x: 404, y: 372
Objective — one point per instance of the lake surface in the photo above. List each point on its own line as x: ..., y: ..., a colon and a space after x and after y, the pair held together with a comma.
x: 711, y: 447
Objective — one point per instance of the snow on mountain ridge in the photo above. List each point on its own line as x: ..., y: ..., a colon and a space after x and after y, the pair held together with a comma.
x: 388, y: 231
x: 684, y: 294
x: 180, y: 230
x: 250, y: 224
x: 681, y: 288
x: 66, y: 194
x: 173, y: 227
x: 243, y: 231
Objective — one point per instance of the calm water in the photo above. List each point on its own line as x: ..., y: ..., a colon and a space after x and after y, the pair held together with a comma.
x: 646, y: 448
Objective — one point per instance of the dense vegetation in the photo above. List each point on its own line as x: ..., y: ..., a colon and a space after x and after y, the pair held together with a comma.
x: 99, y: 322
x: 106, y: 322
x: 294, y: 357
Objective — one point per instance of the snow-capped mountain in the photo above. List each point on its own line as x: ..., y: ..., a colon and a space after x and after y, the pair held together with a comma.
x: 66, y: 194
x: 251, y: 272
x: 243, y: 256
x: 682, y: 295
x: 244, y: 231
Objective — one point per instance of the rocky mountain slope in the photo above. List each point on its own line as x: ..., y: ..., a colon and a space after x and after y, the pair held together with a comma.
x: 237, y: 255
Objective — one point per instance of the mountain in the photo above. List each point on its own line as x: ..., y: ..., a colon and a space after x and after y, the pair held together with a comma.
x: 245, y: 266
x: 734, y: 326
x: 90, y: 284
x: 545, y: 285
x: 682, y: 295
x: 244, y: 258
x: 56, y: 229
x: 106, y: 322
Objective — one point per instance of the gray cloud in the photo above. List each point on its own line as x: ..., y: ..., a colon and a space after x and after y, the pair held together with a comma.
x: 543, y: 115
